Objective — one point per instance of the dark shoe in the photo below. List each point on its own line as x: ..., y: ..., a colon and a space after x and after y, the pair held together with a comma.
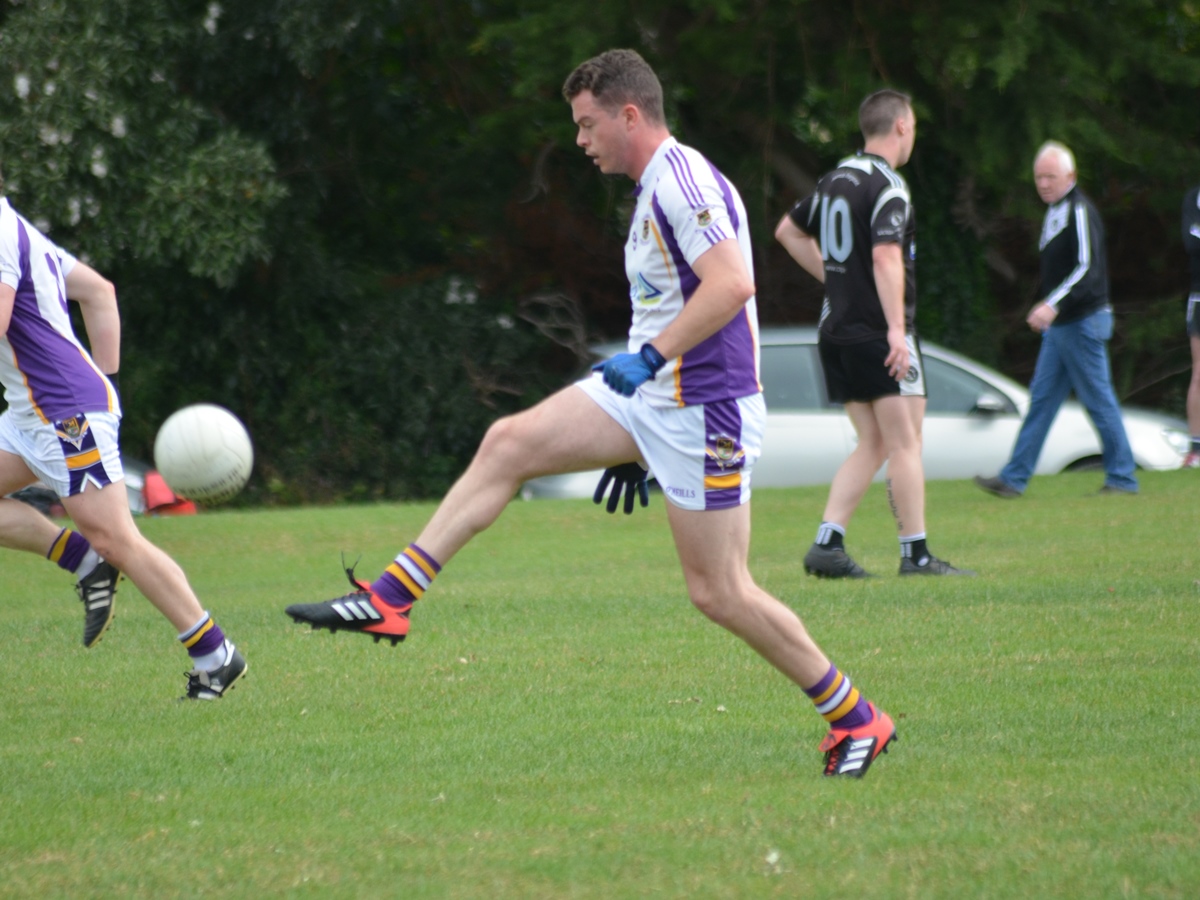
x: 997, y: 487
x: 98, y: 591
x: 360, y: 610
x: 850, y: 751
x: 211, y: 684
x: 832, y: 562
x: 933, y: 566
x: 1113, y: 489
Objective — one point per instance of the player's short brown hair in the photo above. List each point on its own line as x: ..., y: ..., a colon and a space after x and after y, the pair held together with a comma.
x: 880, y: 110
x: 617, y: 77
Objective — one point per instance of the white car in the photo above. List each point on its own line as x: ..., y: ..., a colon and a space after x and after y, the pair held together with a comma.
x: 971, y: 423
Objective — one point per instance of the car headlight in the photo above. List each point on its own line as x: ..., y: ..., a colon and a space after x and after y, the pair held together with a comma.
x: 1179, y: 441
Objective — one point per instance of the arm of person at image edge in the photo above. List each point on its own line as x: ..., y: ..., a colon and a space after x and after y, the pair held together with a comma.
x: 1191, y: 232
x: 888, y: 261
x: 725, y: 288
x: 97, y: 299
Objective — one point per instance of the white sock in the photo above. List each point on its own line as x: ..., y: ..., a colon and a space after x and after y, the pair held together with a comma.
x: 87, y: 565
x: 213, y: 660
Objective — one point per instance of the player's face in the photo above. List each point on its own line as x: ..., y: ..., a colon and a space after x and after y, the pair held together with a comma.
x: 602, y: 135
x: 1051, y: 177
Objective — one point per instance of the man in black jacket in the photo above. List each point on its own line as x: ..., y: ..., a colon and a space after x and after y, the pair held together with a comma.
x: 1075, y: 320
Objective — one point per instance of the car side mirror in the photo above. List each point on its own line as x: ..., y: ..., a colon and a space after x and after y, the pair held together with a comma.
x: 989, y: 405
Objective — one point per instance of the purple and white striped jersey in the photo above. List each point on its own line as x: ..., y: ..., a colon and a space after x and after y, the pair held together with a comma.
x: 684, y: 207
x: 46, y: 372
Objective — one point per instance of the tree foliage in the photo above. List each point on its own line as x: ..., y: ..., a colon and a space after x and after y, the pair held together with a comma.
x: 297, y: 198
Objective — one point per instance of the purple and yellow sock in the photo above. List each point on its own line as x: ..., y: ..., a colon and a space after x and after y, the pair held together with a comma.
x: 839, y: 701
x: 203, y: 641
x: 68, y: 549
x: 405, y: 580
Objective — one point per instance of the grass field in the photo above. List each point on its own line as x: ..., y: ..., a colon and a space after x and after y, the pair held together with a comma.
x: 562, y: 723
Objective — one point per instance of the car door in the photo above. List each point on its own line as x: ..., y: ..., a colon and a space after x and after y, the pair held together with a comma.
x: 806, y: 437
x: 970, y: 424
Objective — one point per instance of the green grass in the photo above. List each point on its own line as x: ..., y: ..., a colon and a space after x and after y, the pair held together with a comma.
x: 563, y: 724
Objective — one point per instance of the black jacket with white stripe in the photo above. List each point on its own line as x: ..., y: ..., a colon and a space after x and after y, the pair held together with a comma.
x: 1191, y: 234
x: 1074, y: 265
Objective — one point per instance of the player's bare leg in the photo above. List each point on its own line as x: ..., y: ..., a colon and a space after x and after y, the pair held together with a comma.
x: 900, y: 421
x: 854, y: 475
x: 713, y: 546
x: 21, y: 526
x: 566, y: 432
x: 1192, y: 460
x: 102, y: 516
x: 827, y: 557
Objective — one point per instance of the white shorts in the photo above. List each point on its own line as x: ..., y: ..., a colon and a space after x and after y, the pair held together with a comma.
x: 68, y: 455
x: 701, y: 455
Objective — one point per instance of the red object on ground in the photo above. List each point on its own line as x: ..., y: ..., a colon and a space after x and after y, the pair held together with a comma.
x: 162, y: 501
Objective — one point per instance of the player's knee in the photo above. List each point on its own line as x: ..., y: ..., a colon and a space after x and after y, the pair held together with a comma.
x: 716, y: 602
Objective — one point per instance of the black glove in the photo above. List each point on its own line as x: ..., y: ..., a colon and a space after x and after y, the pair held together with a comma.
x: 628, y: 477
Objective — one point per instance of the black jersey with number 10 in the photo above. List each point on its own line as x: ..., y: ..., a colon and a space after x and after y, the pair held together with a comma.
x: 859, y: 204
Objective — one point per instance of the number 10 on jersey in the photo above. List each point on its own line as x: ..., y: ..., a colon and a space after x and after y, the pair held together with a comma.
x: 837, y: 231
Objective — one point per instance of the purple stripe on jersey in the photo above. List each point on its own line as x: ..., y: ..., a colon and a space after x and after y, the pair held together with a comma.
x: 722, y: 365
x: 688, y: 282
x: 730, y: 205
x: 683, y: 175
x: 60, y: 381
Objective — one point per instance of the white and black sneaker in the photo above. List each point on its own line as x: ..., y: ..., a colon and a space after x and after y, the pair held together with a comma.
x: 211, y: 684
x: 98, y: 591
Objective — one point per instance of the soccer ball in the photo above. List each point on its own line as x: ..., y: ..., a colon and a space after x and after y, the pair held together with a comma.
x: 203, y: 452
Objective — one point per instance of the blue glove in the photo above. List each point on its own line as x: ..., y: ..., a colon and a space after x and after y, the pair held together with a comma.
x: 626, y: 372
x: 629, y: 477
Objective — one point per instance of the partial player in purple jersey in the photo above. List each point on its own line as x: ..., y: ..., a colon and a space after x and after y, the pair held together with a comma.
x: 61, y: 427
x: 685, y: 399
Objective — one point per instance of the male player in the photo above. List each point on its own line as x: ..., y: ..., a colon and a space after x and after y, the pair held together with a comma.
x: 1075, y: 321
x: 1191, y: 243
x: 856, y: 234
x: 685, y: 398
x: 61, y: 426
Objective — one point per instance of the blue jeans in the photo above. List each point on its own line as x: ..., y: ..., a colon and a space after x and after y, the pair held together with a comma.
x: 1074, y: 356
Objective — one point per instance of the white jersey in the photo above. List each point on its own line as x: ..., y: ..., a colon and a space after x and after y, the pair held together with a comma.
x: 684, y: 207
x: 47, y: 374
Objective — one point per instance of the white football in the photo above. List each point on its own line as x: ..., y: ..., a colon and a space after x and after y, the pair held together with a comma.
x: 203, y: 452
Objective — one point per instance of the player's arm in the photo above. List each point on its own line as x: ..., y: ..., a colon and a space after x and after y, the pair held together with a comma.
x: 888, y: 262
x: 8, y: 297
x: 725, y: 288
x: 801, y: 246
x: 97, y: 299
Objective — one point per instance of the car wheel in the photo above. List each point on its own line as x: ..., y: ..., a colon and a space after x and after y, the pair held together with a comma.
x: 1089, y: 464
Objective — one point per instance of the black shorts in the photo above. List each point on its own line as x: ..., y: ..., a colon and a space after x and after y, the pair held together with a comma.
x: 855, y: 372
x: 1193, y: 316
